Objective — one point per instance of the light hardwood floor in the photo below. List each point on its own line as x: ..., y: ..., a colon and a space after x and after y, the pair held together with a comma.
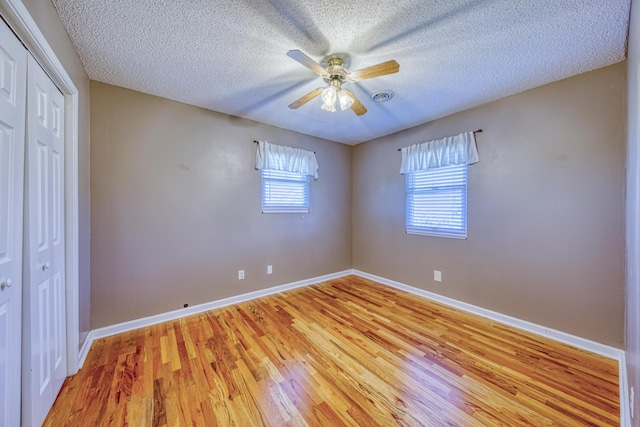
x: 344, y: 352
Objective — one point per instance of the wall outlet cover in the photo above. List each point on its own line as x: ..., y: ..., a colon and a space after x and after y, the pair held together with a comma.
x: 240, y: 274
x: 437, y: 275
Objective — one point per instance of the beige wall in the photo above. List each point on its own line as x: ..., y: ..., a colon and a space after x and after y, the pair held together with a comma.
x: 176, y: 208
x: 46, y: 17
x: 545, y: 229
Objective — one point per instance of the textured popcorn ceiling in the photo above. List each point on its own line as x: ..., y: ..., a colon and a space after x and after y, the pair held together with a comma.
x: 230, y: 56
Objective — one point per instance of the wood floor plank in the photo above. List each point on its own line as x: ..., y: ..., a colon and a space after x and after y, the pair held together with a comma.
x: 347, y: 352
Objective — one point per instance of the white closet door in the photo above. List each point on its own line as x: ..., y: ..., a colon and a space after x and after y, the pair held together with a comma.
x: 44, y: 341
x: 13, y: 72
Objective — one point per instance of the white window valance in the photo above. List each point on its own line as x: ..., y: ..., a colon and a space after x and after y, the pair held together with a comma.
x: 453, y: 150
x: 289, y: 159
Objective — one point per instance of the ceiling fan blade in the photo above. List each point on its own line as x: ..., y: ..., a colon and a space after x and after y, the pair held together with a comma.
x: 388, y: 67
x: 308, y: 97
x: 357, y: 106
x: 307, y: 62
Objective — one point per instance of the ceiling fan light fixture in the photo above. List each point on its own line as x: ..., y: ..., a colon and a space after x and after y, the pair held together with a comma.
x: 329, y: 107
x: 345, y: 100
x: 329, y: 95
x: 335, y: 74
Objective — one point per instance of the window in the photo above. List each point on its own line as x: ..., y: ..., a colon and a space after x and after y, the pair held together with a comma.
x: 436, y: 185
x: 436, y: 202
x: 285, y: 177
x: 284, y: 192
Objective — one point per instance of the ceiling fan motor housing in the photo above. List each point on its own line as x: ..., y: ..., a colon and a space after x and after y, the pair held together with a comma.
x: 336, y: 72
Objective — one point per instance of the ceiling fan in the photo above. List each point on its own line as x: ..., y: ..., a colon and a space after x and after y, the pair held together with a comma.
x: 335, y: 75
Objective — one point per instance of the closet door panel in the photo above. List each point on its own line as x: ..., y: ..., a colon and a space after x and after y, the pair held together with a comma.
x: 41, y: 205
x: 56, y: 218
x: 13, y: 62
x: 7, y: 191
x: 45, y: 333
x: 42, y: 337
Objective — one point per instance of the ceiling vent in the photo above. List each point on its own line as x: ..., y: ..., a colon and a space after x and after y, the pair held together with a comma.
x: 382, y: 96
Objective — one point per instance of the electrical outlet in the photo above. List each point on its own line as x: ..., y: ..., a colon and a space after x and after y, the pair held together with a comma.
x: 240, y: 274
x: 269, y: 269
x: 437, y: 275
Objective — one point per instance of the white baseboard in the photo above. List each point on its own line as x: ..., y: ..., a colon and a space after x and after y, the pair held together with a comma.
x: 625, y: 408
x: 563, y: 337
x: 177, y: 314
x: 84, y: 350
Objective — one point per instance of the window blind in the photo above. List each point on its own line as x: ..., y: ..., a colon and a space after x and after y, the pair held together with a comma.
x: 436, y: 202
x: 284, y: 192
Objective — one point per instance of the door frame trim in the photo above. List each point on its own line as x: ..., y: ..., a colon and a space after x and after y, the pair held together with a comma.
x: 20, y: 21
